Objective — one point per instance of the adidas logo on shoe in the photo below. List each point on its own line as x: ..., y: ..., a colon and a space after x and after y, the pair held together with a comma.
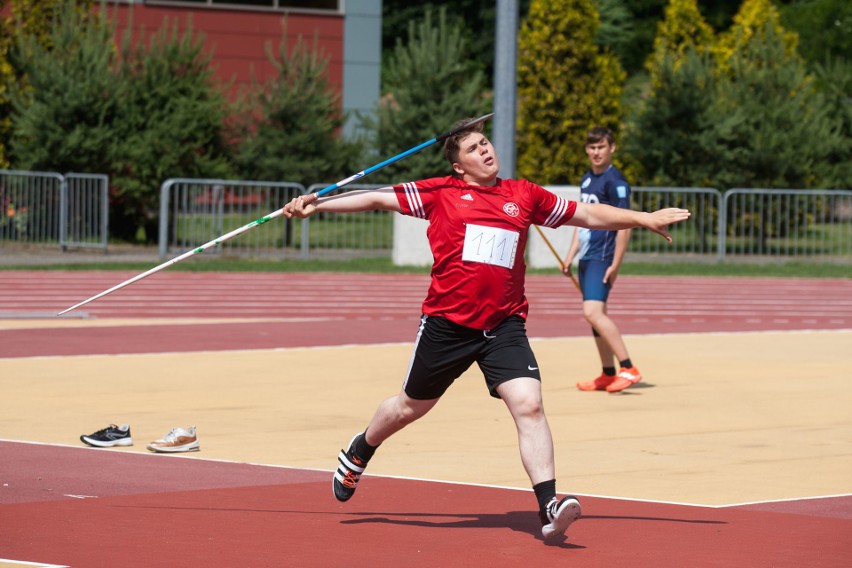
x: 348, y: 472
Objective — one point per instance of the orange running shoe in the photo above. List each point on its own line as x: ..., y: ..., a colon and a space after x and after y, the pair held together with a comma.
x: 599, y: 384
x: 625, y: 378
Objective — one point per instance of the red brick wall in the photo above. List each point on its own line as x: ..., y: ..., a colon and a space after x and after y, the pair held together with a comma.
x: 237, y: 38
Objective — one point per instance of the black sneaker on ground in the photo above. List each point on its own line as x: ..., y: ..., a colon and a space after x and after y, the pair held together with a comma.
x: 110, y: 436
x: 558, y: 516
x: 348, y: 472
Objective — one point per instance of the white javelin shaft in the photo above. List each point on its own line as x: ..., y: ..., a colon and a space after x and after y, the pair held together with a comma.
x: 279, y: 212
x: 177, y: 259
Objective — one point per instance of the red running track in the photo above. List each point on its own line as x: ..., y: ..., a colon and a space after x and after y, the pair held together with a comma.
x: 96, y: 508
x: 333, y: 309
x: 92, y: 508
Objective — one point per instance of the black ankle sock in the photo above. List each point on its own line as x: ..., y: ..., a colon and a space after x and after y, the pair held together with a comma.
x: 626, y: 363
x: 544, y: 492
x: 364, y: 450
x: 609, y: 371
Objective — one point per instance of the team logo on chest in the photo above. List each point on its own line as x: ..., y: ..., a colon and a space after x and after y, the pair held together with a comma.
x: 511, y: 209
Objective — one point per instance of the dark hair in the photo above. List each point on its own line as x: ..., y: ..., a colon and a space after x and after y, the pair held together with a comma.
x: 451, y: 144
x: 599, y: 133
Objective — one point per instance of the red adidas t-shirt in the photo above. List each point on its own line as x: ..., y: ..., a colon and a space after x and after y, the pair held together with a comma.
x: 478, y: 235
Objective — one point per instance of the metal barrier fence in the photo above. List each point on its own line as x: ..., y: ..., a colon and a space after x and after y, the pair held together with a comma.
x: 30, y: 206
x: 788, y: 223
x: 699, y: 237
x: 741, y: 223
x: 364, y: 234
x: 84, y: 211
x: 196, y: 211
x: 70, y: 210
x: 752, y: 223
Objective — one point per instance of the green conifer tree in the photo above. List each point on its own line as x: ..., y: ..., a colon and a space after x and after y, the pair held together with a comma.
x: 775, y: 129
x: 682, y: 29
x: 63, y: 113
x: 752, y: 21
x: 290, y: 127
x: 26, y: 17
x: 7, y: 78
x: 824, y: 28
x: 668, y: 138
x: 760, y: 122
x: 566, y: 84
x: 170, y: 125
x: 429, y: 82
x: 834, y: 81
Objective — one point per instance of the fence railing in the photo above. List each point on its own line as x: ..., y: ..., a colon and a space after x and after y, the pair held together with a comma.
x: 786, y: 223
x: 70, y: 210
x: 84, y: 211
x: 700, y: 236
x: 197, y: 211
x: 368, y: 233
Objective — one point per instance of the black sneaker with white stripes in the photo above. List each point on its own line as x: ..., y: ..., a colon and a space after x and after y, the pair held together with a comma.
x: 348, y: 472
x: 110, y: 436
x: 558, y: 515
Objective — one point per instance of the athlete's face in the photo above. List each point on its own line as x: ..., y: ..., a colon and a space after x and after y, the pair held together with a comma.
x: 477, y: 163
x: 600, y: 155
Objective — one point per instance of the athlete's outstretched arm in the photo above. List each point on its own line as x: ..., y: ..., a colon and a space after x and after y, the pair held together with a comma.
x: 600, y: 216
x: 350, y: 202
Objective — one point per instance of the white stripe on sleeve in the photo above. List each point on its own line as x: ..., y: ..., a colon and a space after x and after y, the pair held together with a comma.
x: 414, y: 201
x: 559, y: 210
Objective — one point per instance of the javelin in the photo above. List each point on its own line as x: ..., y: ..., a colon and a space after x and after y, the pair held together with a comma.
x: 279, y: 212
x: 558, y: 258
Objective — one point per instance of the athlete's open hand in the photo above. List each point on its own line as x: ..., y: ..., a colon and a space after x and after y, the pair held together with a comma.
x: 659, y: 220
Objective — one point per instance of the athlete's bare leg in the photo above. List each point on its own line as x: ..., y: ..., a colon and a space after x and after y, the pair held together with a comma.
x: 604, y: 351
x: 595, y: 313
x: 523, y: 399
x: 394, y: 414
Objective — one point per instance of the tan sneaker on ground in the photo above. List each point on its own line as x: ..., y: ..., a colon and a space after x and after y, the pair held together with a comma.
x: 177, y: 440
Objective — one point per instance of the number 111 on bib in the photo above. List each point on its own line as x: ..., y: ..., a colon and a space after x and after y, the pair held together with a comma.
x: 490, y: 245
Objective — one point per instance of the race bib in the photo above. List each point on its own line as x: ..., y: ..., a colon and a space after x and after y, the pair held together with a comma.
x: 490, y: 245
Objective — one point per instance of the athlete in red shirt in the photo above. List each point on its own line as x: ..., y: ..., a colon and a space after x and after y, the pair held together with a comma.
x: 478, y: 235
x: 475, y: 309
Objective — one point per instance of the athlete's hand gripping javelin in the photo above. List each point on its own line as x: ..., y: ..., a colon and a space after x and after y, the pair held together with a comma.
x: 350, y: 202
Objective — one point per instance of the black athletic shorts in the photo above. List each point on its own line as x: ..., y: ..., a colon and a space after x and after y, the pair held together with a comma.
x: 444, y: 350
